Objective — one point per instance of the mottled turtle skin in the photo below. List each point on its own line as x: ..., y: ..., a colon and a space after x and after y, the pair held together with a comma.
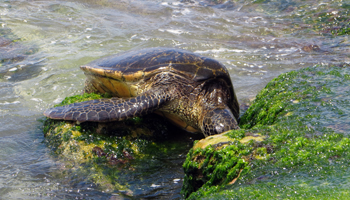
x: 193, y: 91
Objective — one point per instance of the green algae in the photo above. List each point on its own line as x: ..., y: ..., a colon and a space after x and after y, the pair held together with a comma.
x: 107, y: 154
x: 212, y: 166
x: 334, y: 19
x: 321, y: 17
x: 80, y: 98
x: 305, y: 117
x: 218, y: 160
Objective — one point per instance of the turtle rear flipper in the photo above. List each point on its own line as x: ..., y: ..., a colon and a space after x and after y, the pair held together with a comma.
x: 106, y: 110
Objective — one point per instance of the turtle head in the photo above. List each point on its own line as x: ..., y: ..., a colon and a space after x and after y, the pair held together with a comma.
x: 217, y: 121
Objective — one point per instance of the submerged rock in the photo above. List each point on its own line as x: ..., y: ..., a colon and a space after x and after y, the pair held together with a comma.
x: 301, y: 121
x: 13, y: 55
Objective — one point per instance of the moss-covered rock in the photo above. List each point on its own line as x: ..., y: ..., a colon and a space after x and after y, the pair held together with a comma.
x: 107, y: 154
x: 219, y: 160
x: 305, y: 118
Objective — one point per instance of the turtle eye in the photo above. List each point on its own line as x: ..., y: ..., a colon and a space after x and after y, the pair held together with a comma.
x: 219, y: 128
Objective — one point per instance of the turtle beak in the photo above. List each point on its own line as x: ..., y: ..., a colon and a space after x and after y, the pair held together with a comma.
x: 218, y: 121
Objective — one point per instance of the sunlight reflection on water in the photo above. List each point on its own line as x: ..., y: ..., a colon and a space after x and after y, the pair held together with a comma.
x: 255, y: 45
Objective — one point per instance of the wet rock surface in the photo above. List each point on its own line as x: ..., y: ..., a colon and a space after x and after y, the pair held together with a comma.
x: 13, y: 66
x: 121, y: 156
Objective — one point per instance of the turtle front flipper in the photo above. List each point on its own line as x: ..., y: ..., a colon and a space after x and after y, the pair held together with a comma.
x: 114, y: 109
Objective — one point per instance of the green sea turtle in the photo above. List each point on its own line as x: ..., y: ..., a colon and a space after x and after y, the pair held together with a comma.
x: 193, y: 91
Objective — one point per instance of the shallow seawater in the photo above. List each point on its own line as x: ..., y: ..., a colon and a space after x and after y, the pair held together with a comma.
x: 47, y: 41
